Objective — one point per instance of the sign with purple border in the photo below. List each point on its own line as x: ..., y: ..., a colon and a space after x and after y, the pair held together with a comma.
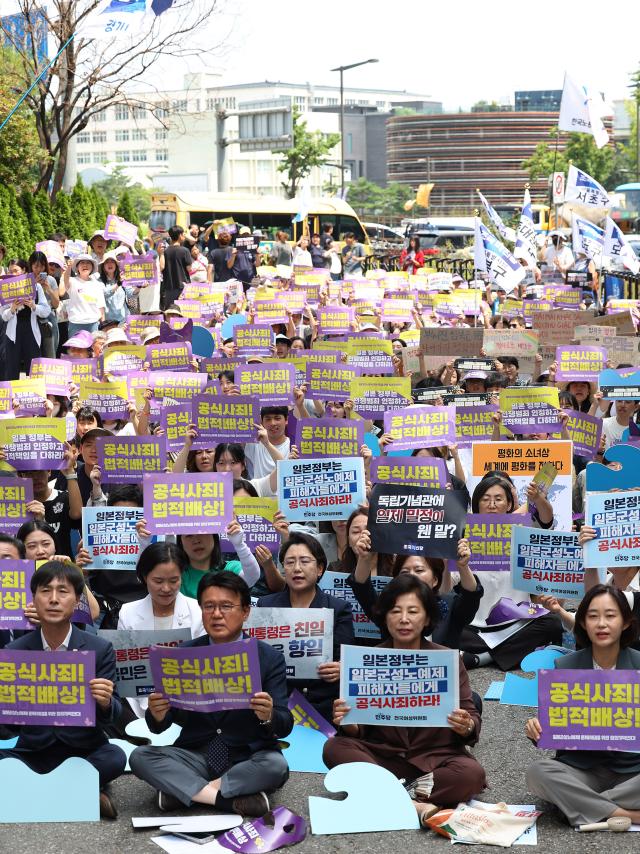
x: 489, y: 536
x: 329, y: 437
x: 15, y: 593
x: 272, y: 383
x: 188, y: 503
x: 224, y: 418
x: 169, y: 357
x: 580, y: 363
x: 421, y: 427
x: 429, y: 472
x: 34, y: 443
x: 125, y: 459
x: 15, y: 494
x: 55, y: 372
x: 22, y: 287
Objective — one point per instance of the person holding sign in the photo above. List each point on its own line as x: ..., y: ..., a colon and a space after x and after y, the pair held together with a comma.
x: 434, y: 760
x: 86, y: 304
x: 22, y: 338
x: 57, y: 588
x: 230, y: 759
x: 593, y: 785
x: 304, y: 563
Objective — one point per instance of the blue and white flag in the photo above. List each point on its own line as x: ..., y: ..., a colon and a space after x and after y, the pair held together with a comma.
x: 587, y: 238
x: 494, y: 258
x: 585, y: 189
x: 496, y: 219
x: 617, y: 248
x: 582, y: 111
x: 115, y: 18
x: 303, y: 201
x: 526, y: 247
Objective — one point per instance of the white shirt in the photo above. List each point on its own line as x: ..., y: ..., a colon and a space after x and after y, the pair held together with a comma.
x: 64, y: 646
x: 86, y: 298
x: 261, y: 463
x: 612, y: 431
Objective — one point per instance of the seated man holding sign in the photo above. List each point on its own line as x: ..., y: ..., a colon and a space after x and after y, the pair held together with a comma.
x: 227, y: 759
x: 57, y: 588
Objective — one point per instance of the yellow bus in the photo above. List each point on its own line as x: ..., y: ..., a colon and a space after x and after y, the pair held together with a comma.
x: 269, y: 214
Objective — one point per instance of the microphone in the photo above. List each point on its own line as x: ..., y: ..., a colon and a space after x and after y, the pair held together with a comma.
x: 615, y: 824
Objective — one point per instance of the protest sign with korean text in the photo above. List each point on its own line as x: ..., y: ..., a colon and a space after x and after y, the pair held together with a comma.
x: 510, y: 342
x: 452, y: 342
x: 109, y: 399
x: 15, y: 494
x: 224, y: 418
x: 474, y: 424
x: 56, y: 374
x: 371, y: 355
x: 616, y: 519
x: 20, y: 287
x: 531, y: 409
x: 15, y: 593
x: 329, y: 437
x: 269, y: 311
x: 188, y: 503
x: 619, y: 384
x: 133, y: 671
x: 335, y: 319
x: 47, y: 688
x: 373, y: 396
x: 255, y: 516
x: 589, y: 709
x: 34, y: 443
x: 546, y: 562
x: 210, y: 678
x: 304, y: 636
x: 304, y: 714
x: 585, y: 432
x: 138, y: 271
x: 580, y: 364
x: 122, y: 359
x: 29, y: 397
x: 428, y: 472
x: 413, y: 520
x: 178, y: 385
x: 336, y: 584
x: 175, y: 420
x: 109, y: 535
x: 320, y: 489
x: 272, y: 383
x: 125, y: 459
x: 117, y: 228
x: 331, y: 382
x: 421, y: 427
x: 82, y: 369
x: 399, y: 687
x: 174, y: 356
x: 253, y: 337
x: 489, y: 536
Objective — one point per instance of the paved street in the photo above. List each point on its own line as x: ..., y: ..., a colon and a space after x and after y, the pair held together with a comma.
x: 503, y: 750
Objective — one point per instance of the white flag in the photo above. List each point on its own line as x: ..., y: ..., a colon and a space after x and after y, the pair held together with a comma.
x: 526, y: 235
x: 115, y: 18
x: 582, y: 111
x: 495, y: 259
x: 617, y: 247
x: 587, y: 238
x: 585, y: 189
x: 495, y: 218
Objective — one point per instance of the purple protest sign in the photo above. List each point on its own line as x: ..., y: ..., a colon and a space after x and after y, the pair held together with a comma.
x: 125, y: 459
x: 474, y: 424
x: 585, y: 432
x: 580, y: 363
x: 178, y: 385
x: 29, y: 397
x: 532, y: 417
x: 82, y: 369
x: 139, y: 270
x: 210, y: 678
x: 15, y: 592
x: 188, y: 503
x: 270, y: 311
x: 430, y: 472
x: 278, y: 829
x: 304, y: 714
x: 175, y: 421
x: 47, y: 688
x: 589, y: 709
x: 255, y: 516
x: 108, y: 399
x: 272, y: 383
x: 56, y: 374
x: 15, y: 494
x: 489, y: 536
x: 224, y: 418
x: 169, y: 357
x: 329, y: 382
x: 117, y: 228
x: 421, y: 427
x: 253, y: 336
x: 335, y: 320
x: 329, y: 437
x: 34, y: 443
x: 22, y: 287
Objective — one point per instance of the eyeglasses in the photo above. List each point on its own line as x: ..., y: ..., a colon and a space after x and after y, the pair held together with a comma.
x: 304, y: 562
x: 225, y: 608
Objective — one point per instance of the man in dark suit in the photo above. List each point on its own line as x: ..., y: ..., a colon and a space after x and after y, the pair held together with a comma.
x: 56, y: 589
x: 227, y: 759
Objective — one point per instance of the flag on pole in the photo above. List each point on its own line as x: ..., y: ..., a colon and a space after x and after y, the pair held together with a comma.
x: 303, y: 201
x: 494, y: 258
x: 115, y: 18
x: 585, y: 189
x: 582, y: 111
x: 526, y: 247
x: 587, y: 238
x: 495, y: 218
x: 618, y: 248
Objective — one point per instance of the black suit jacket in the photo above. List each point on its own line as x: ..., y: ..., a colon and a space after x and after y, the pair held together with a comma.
x: 317, y: 690
x: 240, y: 728
x: 83, y: 738
x: 622, y: 763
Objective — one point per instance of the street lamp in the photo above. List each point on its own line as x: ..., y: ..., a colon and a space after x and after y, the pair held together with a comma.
x: 342, y: 69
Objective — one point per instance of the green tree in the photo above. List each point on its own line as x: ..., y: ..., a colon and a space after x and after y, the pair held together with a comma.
x: 309, y: 150
x: 126, y: 209
x: 63, y: 216
x: 36, y: 226
x: 14, y: 225
x: 101, y: 207
x: 113, y: 186
x: 579, y: 148
x: 43, y: 207
x: 83, y: 211
x: 366, y: 198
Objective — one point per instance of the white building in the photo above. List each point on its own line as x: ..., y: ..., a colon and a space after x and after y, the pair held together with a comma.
x: 174, y: 145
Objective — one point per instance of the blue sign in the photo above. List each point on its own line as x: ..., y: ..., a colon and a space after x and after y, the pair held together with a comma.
x: 399, y: 687
x: 19, y: 31
x: 616, y: 519
x: 546, y: 562
x: 314, y: 490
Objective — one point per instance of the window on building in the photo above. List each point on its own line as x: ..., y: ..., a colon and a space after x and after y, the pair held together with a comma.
x: 100, y: 157
x: 381, y: 104
x: 300, y: 102
x: 363, y: 103
x: 350, y: 101
x: 349, y: 143
x: 162, y: 110
x: 333, y: 101
x: 162, y: 154
x: 138, y: 134
x: 101, y: 116
x: 83, y: 138
x: 179, y: 106
x: 139, y: 156
x: 230, y: 103
x: 138, y: 113
x: 123, y: 156
x: 83, y: 157
x: 160, y: 134
x: 211, y: 104
x: 122, y: 112
x: 122, y: 136
x: 99, y: 137
x: 318, y: 102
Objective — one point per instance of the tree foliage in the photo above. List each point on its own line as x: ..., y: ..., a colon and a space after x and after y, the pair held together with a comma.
x: 91, y: 75
x: 309, y: 150
x: 126, y: 209
x: 371, y: 201
x: 579, y: 149
x: 112, y: 188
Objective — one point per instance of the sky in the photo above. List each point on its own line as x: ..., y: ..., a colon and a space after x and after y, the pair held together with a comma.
x: 456, y: 53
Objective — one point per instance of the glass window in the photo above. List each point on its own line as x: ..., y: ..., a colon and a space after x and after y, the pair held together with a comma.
x: 100, y: 157
x: 138, y: 134
x: 101, y: 116
x: 83, y: 138
x: 83, y: 157
x: 162, y: 154
x: 179, y: 106
x: 123, y: 156
x: 122, y: 112
x: 138, y: 113
x: 160, y: 134
x: 122, y: 136
x: 139, y: 156
x: 99, y: 137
